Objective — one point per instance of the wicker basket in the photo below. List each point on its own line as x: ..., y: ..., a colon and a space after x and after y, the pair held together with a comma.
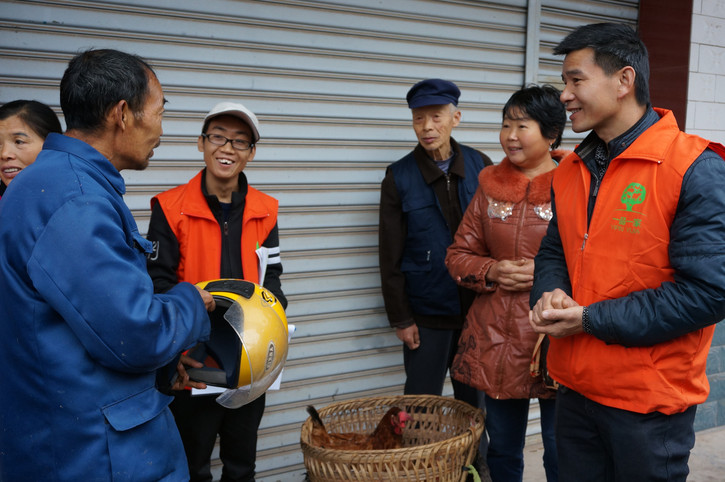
x: 442, y: 438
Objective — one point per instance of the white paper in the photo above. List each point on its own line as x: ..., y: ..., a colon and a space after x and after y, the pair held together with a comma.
x: 277, y: 383
x: 263, y: 255
x: 209, y: 390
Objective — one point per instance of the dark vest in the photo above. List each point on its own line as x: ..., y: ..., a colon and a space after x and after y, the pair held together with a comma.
x: 430, y: 289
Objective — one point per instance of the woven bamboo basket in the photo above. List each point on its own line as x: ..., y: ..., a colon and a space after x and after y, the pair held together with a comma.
x: 442, y: 439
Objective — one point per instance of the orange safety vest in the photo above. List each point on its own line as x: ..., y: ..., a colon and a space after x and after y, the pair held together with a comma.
x: 199, y: 233
x: 624, y: 250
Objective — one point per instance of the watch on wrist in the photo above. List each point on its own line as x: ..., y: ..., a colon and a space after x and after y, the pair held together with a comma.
x: 586, y: 322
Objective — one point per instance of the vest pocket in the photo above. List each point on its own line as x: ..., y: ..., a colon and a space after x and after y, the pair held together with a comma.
x: 418, y: 260
x: 415, y: 200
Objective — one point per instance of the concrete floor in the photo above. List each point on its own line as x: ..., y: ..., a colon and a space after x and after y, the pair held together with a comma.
x: 707, y: 460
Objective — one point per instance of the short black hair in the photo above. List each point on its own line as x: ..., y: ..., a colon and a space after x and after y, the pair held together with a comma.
x: 540, y: 103
x: 615, y: 46
x: 36, y: 115
x: 96, y: 80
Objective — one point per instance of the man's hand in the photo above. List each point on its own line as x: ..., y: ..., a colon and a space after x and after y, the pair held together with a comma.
x: 512, y: 275
x: 409, y: 335
x: 182, y: 381
x: 208, y: 299
x: 556, y: 314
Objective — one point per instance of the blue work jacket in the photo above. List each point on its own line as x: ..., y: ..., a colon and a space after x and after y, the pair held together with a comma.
x: 82, y: 332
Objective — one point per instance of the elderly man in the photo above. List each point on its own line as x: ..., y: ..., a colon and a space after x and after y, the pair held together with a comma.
x: 84, y: 334
x: 422, y: 200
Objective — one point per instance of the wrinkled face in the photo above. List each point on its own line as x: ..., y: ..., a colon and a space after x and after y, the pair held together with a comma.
x: 224, y: 163
x: 399, y: 421
x: 521, y: 139
x: 144, y: 129
x: 19, y: 146
x: 590, y: 95
x: 433, y: 125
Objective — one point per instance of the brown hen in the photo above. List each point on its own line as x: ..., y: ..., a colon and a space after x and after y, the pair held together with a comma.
x: 387, y: 435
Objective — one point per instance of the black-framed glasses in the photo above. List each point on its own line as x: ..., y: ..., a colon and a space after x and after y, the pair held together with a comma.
x: 238, y: 144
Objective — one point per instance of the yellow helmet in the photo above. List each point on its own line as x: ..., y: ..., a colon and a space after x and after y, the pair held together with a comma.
x: 248, y: 341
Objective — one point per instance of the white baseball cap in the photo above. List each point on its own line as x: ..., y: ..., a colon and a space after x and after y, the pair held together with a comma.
x: 236, y: 110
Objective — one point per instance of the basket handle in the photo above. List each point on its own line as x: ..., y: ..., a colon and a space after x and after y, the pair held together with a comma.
x: 466, y: 469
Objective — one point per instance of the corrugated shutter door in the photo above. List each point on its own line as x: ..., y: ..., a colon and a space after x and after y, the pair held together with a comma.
x: 328, y: 83
x: 559, y: 17
x: 327, y: 80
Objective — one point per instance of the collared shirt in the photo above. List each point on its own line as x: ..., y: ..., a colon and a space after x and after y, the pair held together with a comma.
x: 445, y: 164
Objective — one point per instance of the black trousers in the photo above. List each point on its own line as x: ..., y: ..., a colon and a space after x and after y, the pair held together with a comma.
x: 426, y: 366
x: 200, y: 419
x: 600, y: 443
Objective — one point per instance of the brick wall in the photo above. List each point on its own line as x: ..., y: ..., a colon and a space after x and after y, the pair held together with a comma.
x: 706, y: 88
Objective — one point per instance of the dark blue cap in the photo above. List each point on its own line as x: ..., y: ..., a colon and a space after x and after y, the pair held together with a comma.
x: 433, y: 92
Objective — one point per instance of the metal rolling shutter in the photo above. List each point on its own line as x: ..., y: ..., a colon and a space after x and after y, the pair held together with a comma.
x: 559, y: 17
x: 327, y: 80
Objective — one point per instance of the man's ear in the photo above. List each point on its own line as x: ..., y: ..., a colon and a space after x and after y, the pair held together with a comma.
x: 626, y: 81
x: 119, y: 114
x: 457, y: 118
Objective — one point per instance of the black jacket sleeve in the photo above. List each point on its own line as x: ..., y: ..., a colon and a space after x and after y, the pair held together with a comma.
x: 163, y: 262
x: 274, y: 267
x: 550, y: 271
x: 392, y: 233
x: 696, y: 298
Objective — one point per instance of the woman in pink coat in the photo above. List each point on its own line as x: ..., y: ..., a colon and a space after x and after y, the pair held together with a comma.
x: 493, y: 254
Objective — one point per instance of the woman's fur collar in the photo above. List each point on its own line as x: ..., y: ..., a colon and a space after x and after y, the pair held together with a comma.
x: 504, y: 182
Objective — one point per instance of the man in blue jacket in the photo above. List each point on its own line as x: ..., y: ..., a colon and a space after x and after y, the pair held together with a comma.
x: 83, y: 332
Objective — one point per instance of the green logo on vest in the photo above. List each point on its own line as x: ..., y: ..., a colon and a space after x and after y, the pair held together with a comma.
x: 633, y: 194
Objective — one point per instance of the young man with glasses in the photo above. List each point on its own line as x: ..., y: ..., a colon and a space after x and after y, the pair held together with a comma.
x: 206, y: 229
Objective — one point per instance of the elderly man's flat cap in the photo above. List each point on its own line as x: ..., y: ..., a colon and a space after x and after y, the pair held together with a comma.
x: 433, y: 92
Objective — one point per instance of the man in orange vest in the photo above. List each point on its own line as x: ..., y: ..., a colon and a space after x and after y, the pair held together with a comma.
x: 210, y: 228
x: 629, y: 279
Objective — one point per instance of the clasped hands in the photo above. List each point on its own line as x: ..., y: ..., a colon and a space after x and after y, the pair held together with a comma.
x: 556, y: 314
x: 512, y: 274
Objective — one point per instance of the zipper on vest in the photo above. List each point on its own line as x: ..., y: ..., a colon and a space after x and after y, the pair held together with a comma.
x: 596, y: 187
x: 584, y: 241
x: 451, y: 208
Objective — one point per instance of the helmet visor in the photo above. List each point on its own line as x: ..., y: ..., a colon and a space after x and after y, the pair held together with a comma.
x: 263, y: 367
